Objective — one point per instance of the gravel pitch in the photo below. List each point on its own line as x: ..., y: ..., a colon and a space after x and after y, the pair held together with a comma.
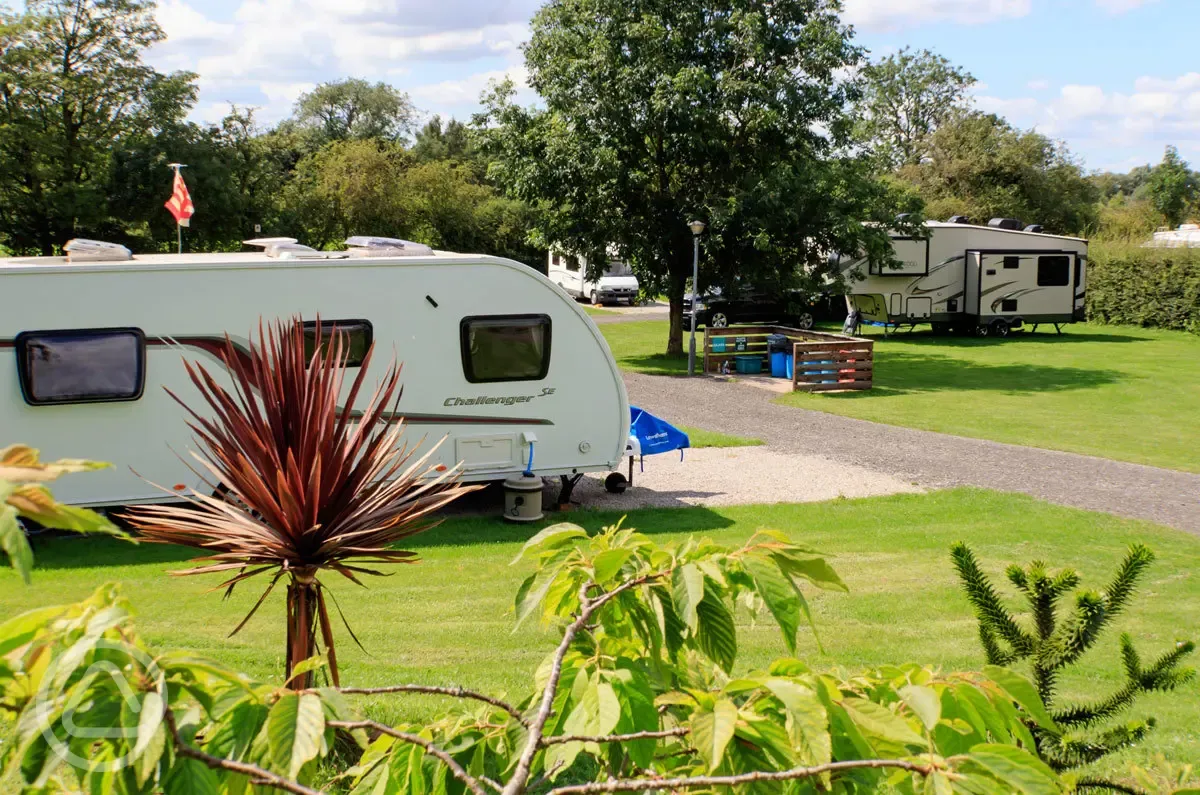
x: 932, y: 460
x: 732, y: 476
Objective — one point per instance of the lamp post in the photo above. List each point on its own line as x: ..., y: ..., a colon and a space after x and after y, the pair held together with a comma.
x: 697, y: 228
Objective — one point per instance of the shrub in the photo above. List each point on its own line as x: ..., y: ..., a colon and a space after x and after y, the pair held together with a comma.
x: 636, y: 696
x: 1056, y: 641
x: 1155, y: 288
x: 310, y: 486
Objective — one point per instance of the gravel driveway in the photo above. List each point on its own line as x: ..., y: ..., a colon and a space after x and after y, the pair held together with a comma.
x: 732, y: 476
x: 931, y: 460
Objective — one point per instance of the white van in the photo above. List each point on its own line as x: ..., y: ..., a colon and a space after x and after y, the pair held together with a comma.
x: 616, y: 284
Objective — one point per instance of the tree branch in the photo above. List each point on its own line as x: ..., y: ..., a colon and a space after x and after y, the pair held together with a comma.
x: 667, y: 784
x: 256, y: 773
x: 428, y: 746
x: 614, y: 738
x: 453, y: 692
x: 587, y: 606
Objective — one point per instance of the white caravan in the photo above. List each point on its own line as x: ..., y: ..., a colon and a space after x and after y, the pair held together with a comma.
x: 616, y: 283
x: 985, y: 279
x: 495, y: 359
x: 1186, y: 236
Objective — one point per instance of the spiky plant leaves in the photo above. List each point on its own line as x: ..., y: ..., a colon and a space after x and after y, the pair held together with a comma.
x: 1057, y: 642
x: 302, y: 482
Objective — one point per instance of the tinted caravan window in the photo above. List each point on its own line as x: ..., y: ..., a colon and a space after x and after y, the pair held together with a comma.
x: 506, y: 348
x: 1054, y: 271
x: 86, y: 366
x: 357, y: 336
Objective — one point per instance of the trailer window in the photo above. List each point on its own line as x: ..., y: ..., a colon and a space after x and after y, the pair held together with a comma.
x: 572, y: 262
x: 505, y: 348
x: 1012, y: 262
x: 357, y: 336
x: 83, y: 366
x: 1054, y: 271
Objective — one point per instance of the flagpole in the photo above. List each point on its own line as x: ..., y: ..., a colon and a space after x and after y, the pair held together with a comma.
x: 178, y: 224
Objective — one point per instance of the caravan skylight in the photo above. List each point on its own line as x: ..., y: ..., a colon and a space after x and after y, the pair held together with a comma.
x: 288, y: 248
x: 81, y: 250
x: 370, y: 246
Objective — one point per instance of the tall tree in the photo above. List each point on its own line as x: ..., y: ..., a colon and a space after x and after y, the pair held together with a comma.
x: 354, y: 108
x: 1172, y: 187
x: 905, y: 98
x: 443, y: 141
x: 981, y: 166
x: 73, y: 85
x: 661, y: 111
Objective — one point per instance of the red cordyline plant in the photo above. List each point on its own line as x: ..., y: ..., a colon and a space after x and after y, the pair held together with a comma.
x: 302, y: 484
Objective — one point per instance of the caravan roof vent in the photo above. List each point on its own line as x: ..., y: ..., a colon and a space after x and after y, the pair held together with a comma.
x: 1006, y: 223
x: 370, y: 246
x: 958, y: 219
x: 81, y: 250
x: 267, y: 242
x: 288, y: 248
x: 1037, y: 228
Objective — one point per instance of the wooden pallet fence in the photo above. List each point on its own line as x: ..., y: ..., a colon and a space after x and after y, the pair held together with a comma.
x: 828, y: 366
x: 821, y: 361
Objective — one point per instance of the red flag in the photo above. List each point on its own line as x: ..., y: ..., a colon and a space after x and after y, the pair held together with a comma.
x: 180, y: 203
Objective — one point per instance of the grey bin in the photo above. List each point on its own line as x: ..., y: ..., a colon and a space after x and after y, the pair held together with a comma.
x: 523, y: 498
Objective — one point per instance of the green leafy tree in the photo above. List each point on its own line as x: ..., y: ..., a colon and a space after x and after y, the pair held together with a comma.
x: 906, y: 96
x: 355, y: 109
x: 661, y: 111
x: 1055, y: 641
x: 444, y: 141
x: 1172, y: 187
x: 73, y: 85
x: 981, y: 166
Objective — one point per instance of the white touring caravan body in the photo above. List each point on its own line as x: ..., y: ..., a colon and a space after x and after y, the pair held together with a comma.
x: 510, y: 372
x: 985, y: 279
x: 569, y: 272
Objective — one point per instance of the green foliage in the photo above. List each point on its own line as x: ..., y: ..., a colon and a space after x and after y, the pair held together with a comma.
x: 634, y: 697
x: 906, y: 96
x: 354, y: 109
x: 661, y: 111
x: 1135, y: 286
x: 980, y: 166
x: 1172, y: 187
x: 1125, y: 220
x: 1068, y: 735
x: 23, y: 496
x: 73, y: 87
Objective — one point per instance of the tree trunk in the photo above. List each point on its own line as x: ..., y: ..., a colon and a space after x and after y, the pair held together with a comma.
x: 301, y: 620
x: 675, y: 290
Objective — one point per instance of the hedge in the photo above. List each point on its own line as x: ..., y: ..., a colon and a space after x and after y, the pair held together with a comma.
x: 1154, y: 288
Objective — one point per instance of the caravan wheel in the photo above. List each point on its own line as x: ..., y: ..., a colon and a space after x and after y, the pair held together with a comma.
x: 1000, y: 328
x: 595, y: 298
x: 616, y: 483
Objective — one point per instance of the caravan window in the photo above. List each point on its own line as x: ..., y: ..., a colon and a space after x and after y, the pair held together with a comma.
x: 572, y: 262
x: 1054, y: 271
x: 357, y: 336
x: 84, y: 366
x: 505, y: 348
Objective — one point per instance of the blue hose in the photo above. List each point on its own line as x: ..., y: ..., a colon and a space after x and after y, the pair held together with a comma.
x: 529, y: 469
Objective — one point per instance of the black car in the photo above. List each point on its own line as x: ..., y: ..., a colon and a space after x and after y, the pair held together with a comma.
x: 787, y: 307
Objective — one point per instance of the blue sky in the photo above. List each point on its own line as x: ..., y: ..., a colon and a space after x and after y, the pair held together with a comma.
x: 1116, y: 79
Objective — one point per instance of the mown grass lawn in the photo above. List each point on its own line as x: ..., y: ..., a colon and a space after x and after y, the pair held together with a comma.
x: 1129, y: 394
x: 448, y: 619
x: 698, y: 437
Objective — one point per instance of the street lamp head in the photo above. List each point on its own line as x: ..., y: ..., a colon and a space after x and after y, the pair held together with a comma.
x: 697, y: 227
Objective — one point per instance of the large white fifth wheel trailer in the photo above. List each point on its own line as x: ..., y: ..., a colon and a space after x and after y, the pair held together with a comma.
x: 496, y: 360
x: 985, y: 279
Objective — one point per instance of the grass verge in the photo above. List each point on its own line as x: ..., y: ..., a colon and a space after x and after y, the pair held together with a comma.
x: 702, y: 438
x: 449, y: 619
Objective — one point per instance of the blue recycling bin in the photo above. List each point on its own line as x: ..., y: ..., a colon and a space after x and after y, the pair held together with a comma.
x: 780, y: 365
x: 778, y: 350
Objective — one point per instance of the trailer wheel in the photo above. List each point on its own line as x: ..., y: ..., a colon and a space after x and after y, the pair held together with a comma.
x: 616, y: 483
x: 981, y: 330
x: 1000, y: 328
x: 595, y: 298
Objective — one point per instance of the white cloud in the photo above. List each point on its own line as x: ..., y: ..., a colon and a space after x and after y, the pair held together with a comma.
x: 1121, y: 6
x: 1038, y: 85
x: 467, y: 90
x: 1158, y: 111
x: 890, y: 14
x: 269, y: 51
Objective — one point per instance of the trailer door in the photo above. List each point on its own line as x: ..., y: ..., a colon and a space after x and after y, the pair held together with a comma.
x: 971, y: 293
